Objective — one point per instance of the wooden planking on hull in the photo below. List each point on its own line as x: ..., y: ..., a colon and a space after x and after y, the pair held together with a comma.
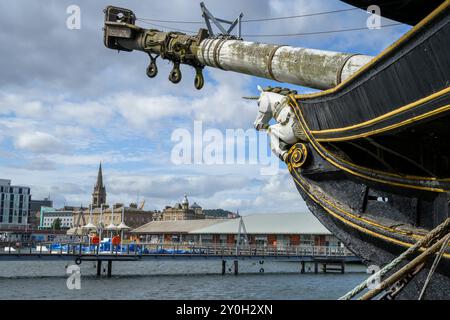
x: 376, y: 248
x: 415, y: 67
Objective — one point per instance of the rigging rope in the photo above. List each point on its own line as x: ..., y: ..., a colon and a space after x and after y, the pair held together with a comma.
x: 282, y: 34
x: 434, y: 234
x: 404, y: 271
x: 434, y: 266
x: 311, y: 14
x: 258, y: 19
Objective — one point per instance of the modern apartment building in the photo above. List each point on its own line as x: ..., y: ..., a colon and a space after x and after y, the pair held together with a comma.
x: 49, y: 215
x: 14, y: 205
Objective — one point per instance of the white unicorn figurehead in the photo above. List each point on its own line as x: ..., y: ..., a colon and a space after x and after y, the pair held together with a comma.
x: 268, y: 100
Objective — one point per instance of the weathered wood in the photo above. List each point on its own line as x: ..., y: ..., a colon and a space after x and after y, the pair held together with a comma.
x: 306, y: 67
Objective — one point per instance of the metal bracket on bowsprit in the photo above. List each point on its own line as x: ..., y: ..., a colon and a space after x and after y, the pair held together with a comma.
x: 208, y: 16
x: 177, y: 48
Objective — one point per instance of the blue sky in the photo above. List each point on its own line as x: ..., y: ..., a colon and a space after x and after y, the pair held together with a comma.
x: 67, y: 103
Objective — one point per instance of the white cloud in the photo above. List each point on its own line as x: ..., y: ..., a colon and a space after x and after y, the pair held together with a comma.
x: 20, y: 106
x: 90, y: 113
x: 39, y: 142
x: 39, y: 164
x: 68, y: 189
x: 141, y: 111
x: 173, y: 186
x: 90, y: 159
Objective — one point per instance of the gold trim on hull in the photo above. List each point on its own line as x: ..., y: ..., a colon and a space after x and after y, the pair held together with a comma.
x: 386, y: 116
x: 317, y: 146
x: 413, y: 237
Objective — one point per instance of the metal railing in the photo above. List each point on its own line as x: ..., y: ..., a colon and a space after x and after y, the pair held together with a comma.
x: 83, y: 248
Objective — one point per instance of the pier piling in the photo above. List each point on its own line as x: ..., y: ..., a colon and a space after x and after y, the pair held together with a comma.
x: 109, y: 268
x: 302, y: 268
x: 99, y: 268
x: 236, y: 267
x: 224, y: 263
x: 316, y: 267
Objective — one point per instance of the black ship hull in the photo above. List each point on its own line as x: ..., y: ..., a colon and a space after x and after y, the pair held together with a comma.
x: 376, y: 246
x: 375, y: 168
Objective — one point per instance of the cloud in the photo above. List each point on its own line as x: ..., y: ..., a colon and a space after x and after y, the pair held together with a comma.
x: 141, y: 111
x: 39, y: 164
x: 90, y: 113
x: 273, y: 194
x: 39, y: 142
x: 68, y: 189
x: 174, y: 186
x: 93, y: 159
x: 223, y: 104
x: 20, y: 106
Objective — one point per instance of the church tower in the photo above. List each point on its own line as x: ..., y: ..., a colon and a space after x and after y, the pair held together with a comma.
x: 185, y: 203
x: 99, y: 194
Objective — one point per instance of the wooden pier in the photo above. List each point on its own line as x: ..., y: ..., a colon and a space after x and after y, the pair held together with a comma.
x: 77, y: 252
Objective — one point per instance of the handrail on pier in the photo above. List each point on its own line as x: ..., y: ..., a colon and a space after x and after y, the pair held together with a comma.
x: 140, y: 249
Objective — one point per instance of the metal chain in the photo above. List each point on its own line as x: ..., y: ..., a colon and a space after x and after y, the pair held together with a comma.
x: 428, y: 239
x: 434, y: 266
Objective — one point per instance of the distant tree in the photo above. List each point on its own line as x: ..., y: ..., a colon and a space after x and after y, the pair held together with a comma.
x: 56, y: 225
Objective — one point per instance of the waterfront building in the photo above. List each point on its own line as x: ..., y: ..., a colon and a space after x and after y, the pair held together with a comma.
x: 283, y: 229
x: 14, y: 206
x: 172, y: 231
x: 34, y: 216
x: 182, y: 211
x: 35, y: 205
x: 157, y: 215
x: 133, y: 217
x: 50, y: 215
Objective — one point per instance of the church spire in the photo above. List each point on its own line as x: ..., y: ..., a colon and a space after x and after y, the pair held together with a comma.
x: 99, y: 177
x: 99, y: 194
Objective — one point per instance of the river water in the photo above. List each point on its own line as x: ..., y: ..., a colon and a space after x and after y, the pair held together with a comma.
x: 176, y: 280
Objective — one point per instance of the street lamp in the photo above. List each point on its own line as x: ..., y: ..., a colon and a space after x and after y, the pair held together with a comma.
x: 90, y: 226
x: 100, y: 222
x: 111, y: 227
x: 122, y: 226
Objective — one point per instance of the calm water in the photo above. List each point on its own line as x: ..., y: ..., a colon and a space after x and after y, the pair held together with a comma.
x: 175, y: 280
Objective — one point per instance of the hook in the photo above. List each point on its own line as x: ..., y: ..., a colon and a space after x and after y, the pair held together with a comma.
x: 175, y: 73
x: 199, y: 81
x: 152, y: 69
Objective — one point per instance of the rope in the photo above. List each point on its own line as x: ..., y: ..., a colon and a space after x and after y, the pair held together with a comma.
x: 444, y: 227
x: 257, y: 19
x: 434, y: 266
x: 261, y: 19
x: 193, y: 32
x: 404, y: 270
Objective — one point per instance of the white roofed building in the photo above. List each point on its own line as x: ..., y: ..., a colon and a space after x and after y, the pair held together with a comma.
x: 281, y: 229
